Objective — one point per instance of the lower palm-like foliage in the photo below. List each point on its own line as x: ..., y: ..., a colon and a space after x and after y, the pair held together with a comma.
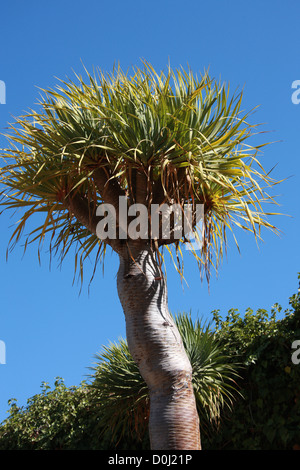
x: 123, y: 394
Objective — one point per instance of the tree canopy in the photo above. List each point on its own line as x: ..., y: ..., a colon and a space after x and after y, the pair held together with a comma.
x: 153, y: 137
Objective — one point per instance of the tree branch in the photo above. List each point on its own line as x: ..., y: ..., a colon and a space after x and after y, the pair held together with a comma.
x: 83, y: 210
x: 141, y: 190
x: 85, y: 213
x: 109, y: 189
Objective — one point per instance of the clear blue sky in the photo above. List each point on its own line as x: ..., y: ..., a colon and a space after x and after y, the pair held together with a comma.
x: 47, y: 328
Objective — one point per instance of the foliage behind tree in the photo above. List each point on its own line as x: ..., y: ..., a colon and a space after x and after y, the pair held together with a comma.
x: 267, y: 416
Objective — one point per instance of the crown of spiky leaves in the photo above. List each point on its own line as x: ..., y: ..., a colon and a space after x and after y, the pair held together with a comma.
x: 150, y: 136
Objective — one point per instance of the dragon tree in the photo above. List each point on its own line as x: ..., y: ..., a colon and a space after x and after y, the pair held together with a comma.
x: 113, y: 144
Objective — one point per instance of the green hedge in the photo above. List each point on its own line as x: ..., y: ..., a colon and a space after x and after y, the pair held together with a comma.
x: 267, y: 417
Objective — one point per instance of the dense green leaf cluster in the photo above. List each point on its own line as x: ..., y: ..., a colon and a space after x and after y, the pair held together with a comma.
x: 58, y: 418
x: 268, y: 417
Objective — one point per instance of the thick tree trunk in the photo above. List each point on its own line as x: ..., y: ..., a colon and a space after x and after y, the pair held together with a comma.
x: 157, y: 348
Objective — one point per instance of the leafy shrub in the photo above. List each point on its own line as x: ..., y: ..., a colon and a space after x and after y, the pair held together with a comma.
x: 56, y: 419
x: 268, y: 417
x: 265, y: 416
x: 113, y: 410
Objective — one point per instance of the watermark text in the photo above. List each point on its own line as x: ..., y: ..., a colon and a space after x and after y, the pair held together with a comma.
x: 2, y: 92
x: 167, y: 222
x: 296, y: 94
x: 296, y: 353
x: 2, y: 352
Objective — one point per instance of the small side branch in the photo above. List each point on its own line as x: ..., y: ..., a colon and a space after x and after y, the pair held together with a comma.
x: 83, y: 210
x: 108, y: 187
x: 85, y: 213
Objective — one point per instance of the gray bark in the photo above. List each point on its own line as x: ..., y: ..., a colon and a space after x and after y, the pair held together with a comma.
x: 157, y: 348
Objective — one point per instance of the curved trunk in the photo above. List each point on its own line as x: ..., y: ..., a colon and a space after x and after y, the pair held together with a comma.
x: 157, y: 348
